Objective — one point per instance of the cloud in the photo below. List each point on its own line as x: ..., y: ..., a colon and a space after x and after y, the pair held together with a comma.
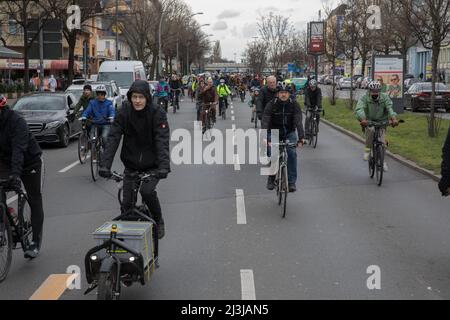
x: 234, y: 32
x: 266, y: 10
x: 220, y: 26
x: 250, y: 30
x: 227, y: 14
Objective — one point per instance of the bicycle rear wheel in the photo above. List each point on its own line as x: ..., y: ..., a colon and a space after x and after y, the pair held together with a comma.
x: 380, y: 165
x: 284, y: 190
x: 6, y: 243
x: 95, y: 158
x: 83, y: 147
x: 24, y: 211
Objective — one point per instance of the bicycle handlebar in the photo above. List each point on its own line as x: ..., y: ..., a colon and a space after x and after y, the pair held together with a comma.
x: 381, y: 123
x: 141, y: 176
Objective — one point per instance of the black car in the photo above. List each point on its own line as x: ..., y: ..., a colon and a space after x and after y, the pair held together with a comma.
x: 50, y: 116
x: 418, y: 97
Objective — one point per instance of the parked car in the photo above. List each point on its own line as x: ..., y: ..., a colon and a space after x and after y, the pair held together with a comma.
x: 50, y: 116
x: 365, y: 82
x: 409, y: 82
x: 328, y: 80
x: 112, y: 94
x: 300, y: 83
x: 358, y: 81
x: 418, y: 97
x: 322, y: 79
x: 345, y: 83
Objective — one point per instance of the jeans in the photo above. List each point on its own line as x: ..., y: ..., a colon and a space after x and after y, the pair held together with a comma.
x: 103, y: 131
x: 292, y: 157
x: 32, y: 181
x: 148, y: 193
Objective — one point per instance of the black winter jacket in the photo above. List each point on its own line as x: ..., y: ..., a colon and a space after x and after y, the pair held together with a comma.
x: 135, y: 155
x: 265, y: 96
x: 445, y: 181
x: 284, y: 116
x: 19, y: 150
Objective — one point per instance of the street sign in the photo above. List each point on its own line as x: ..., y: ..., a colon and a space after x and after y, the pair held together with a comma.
x: 316, y: 38
x: 292, y: 67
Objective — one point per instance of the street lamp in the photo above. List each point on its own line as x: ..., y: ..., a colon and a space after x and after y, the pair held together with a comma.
x: 159, y: 39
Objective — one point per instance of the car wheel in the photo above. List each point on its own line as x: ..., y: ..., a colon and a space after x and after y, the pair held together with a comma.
x: 64, y: 137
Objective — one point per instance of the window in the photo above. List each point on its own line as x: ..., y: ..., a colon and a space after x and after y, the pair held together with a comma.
x: 108, y: 45
x: 12, y: 25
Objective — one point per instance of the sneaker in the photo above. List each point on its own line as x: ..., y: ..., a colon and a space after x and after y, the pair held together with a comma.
x: 161, y: 229
x: 271, y: 183
x: 32, y: 252
x: 385, y: 167
x: 292, y: 187
x: 366, y: 154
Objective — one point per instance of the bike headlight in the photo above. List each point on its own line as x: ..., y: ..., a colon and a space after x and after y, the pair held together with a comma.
x: 53, y: 124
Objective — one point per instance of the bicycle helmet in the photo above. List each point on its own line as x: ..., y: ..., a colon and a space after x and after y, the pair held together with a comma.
x: 3, y: 101
x: 374, y: 86
x: 284, y: 87
x: 313, y: 83
x: 101, y: 88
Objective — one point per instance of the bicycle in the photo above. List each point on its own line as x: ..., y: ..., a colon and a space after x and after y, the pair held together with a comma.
x: 117, y: 261
x: 377, y: 151
x: 176, y: 99
x: 209, y: 123
x: 14, y: 230
x: 313, y: 116
x: 281, y: 179
x: 83, y: 145
x: 97, y: 147
x: 223, y: 107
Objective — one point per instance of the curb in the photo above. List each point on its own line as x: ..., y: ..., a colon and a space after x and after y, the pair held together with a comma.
x: 394, y: 156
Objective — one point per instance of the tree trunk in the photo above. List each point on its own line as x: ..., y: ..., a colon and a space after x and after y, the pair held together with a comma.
x: 153, y: 66
x: 72, y: 41
x: 432, y: 132
x: 333, y: 94
x: 26, y: 61
x: 170, y: 65
x: 352, y: 64
x: 363, y: 66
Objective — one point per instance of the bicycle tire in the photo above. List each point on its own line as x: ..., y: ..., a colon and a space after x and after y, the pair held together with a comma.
x: 284, y: 190
x: 24, y: 214
x: 316, y: 134
x: 372, y: 161
x: 120, y: 196
x: 380, y: 165
x: 94, y: 161
x: 6, y: 242
x: 107, y: 284
x: 83, y: 142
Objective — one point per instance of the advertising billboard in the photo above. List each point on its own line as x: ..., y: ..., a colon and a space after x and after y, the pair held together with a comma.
x: 316, y: 38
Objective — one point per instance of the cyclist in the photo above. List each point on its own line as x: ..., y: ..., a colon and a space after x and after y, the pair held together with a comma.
x: 210, y: 98
x: 444, y: 184
x: 162, y: 92
x: 145, y: 147
x: 267, y: 94
x: 375, y: 106
x: 313, y: 99
x: 223, y: 91
x: 198, y: 100
x: 176, y: 87
x: 285, y: 115
x: 20, y: 161
x: 252, y: 103
x: 102, y: 112
x: 242, y: 88
x: 84, y: 101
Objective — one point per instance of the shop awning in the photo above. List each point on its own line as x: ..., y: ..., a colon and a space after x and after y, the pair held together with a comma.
x: 56, y: 65
x: 8, y: 53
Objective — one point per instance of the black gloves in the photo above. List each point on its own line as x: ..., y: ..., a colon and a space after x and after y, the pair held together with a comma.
x: 162, y: 173
x: 104, y: 173
x: 444, y: 187
x: 15, y: 183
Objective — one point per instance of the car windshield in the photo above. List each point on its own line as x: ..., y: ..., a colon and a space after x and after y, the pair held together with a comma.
x: 123, y: 79
x: 41, y: 103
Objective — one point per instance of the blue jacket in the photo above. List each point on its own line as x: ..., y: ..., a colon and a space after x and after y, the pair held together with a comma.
x: 101, y: 112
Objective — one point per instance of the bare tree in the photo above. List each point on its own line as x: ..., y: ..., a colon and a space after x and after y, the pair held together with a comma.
x: 217, y: 52
x: 275, y: 31
x: 256, y: 56
x: 430, y: 20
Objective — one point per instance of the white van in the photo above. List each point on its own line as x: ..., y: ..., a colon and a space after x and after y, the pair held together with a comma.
x: 124, y: 73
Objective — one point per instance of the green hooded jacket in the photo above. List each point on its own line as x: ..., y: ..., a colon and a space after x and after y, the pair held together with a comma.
x: 82, y: 103
x: 376, y: 111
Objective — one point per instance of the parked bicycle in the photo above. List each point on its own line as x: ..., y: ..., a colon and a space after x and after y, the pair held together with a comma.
x: 15, y: 226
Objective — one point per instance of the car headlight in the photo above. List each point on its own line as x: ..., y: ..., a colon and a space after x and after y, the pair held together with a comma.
x: 52, y: 125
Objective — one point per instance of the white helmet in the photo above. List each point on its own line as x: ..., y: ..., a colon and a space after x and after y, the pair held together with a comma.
x: 374, y: 86
x: 101, y: 88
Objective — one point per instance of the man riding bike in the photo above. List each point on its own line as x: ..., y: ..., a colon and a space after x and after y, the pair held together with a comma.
x: 267, y: 94
x: 20, y: 161
x: 223, y: 91
x: 176, y: 86
x: 146, y: 136
x: 285, y: 115
x: 375, y: 106
x: 210, y: 98
x: 102, y: 113
x: 313, y: 99
x: 162, y: 92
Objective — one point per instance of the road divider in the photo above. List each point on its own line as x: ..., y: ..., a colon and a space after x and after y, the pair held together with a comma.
x: 240, y: 207
x: 247, y: 285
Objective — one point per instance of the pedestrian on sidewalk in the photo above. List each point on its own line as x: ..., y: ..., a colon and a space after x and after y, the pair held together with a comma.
x: 52, y: 83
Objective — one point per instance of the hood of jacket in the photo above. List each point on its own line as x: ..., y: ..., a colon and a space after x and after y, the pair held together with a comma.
x: 142, y: 87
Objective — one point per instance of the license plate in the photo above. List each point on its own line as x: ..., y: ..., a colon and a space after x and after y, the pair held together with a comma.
x: 438, y: 97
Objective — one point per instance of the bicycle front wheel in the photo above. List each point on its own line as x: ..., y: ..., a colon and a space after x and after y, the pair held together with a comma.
x: 380, y: 165
x: 83, y: 147
x: 315, y: 131
x: 107, y: 284
x: 372, y: 161
x: 6, y: 243
x: 284, y: 190
x: 95, y: 158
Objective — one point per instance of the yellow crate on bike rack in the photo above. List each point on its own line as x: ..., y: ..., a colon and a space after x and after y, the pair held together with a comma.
x: 137, y: 235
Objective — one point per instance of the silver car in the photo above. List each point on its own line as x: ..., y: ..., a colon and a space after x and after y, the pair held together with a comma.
x: 112, y: 94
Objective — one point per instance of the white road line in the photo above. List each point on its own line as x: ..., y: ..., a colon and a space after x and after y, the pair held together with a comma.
x: 233, y: 127
x: 233, y: 118
x: 247, y: 285
x: 232, y: 112
x: 11, y: 200
x: 240, y: 206
x: 237, y: 165
x: 69, y: 167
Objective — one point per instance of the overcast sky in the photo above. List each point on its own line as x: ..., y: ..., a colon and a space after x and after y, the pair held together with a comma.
x: 234, y: 22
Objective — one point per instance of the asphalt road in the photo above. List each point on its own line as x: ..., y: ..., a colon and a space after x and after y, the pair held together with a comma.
x: 338, y: 224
